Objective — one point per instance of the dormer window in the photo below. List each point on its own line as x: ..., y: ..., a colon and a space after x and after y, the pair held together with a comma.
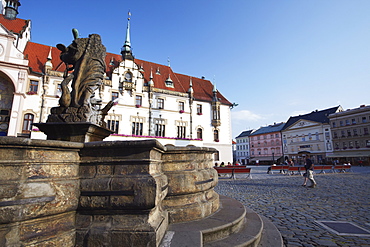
x: 158, y: 72
x: 169, y: 82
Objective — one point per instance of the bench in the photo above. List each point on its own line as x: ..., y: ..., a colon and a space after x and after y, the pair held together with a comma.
x: 232, y: 170
x: 292, y: 169
x: 342, y: 168
x: 281, y: 168
x: 322, y: 168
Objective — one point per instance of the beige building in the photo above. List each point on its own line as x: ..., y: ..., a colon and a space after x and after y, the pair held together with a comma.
x: 351, y: 136
x: 309, y: 134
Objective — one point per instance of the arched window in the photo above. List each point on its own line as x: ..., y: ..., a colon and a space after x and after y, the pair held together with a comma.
x: 216, y: 136
x: 27, y: 123
x: 199, y: 133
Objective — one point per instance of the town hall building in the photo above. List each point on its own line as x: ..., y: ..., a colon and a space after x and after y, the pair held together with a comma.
x: 150, y: 99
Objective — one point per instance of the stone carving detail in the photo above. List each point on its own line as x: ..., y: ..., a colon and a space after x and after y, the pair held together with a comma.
x: 85, y: 58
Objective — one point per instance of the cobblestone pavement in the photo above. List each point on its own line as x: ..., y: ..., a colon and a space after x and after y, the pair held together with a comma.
x: 294, y: 209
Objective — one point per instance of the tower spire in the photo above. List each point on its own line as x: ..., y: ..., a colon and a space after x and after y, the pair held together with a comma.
x: 126, y: 49
x: 215, y: 99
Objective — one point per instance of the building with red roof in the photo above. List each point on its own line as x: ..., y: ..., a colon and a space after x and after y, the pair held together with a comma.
x: 151, y: 100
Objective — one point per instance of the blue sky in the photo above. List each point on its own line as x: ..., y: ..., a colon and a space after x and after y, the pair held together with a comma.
x: 275, y: 58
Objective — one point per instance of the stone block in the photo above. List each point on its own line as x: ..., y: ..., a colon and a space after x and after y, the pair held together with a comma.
x: 87, y: 171
x: 95, y: 184
x: 43, y: 231
x: 8, y: 190
x: 10, y: 172
x: 94, y: 202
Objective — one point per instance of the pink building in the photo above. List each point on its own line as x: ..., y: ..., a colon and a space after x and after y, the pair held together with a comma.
x: 266, y: 145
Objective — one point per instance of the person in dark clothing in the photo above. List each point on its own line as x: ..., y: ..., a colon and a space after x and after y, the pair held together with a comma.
x: 309, y: 173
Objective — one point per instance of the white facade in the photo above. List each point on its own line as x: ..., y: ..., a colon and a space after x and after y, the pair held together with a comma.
x: 13, y: 76
x: 147, y: 104
x: 242, y: 152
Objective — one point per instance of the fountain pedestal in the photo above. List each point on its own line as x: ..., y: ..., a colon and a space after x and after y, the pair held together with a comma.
x: 74, y: 132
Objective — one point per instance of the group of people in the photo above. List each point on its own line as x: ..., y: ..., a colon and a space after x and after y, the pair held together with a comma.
x: 308, y: 175
x: 222, y: 164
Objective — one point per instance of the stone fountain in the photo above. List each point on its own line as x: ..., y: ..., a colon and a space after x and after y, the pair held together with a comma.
x: 76, y: 190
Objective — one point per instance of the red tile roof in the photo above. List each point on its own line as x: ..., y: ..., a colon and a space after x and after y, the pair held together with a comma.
x: 15, y: 26
x: 203, y: 89
x: 37, y: 55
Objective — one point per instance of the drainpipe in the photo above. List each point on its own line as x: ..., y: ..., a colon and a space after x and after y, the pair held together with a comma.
x: 44, y: 81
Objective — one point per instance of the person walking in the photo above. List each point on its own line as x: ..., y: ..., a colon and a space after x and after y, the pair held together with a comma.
x: 309, y: 173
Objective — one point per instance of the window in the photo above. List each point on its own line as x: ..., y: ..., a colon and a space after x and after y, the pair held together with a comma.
x: 34, y: 85
x: 160, y: 128
x: 342, y: 133
x: 114, y: 96
x: 27, y: 123
x: 349, y: 133
x: 113, y: 125
x: 334, y: 124
x: 181, y: 106
x: 341, y: 123
x: 363, y: 119
x: 199, y: 133
x: 59, y: 89
x: 366, y: 131
x: 160, y: 103
x: 335, y: 135
x: 217, y: 155
x: 138, y: 101
x: 137, y: 128
x: 347, y: 122
x: 353, y: 121
x: 181, y: 131
x: 357, y: 145
x: 355, y: 132
x: 216, y: 136
x: 199, y: 109
x: 317, y: 136
x: 277, y: 135
x: 327, y: 135
x: 216, y: 112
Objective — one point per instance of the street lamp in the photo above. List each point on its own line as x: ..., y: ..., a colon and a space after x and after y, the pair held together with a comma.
x: 273, y: 158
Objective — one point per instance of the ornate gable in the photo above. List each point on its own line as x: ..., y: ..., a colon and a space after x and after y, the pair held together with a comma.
x: 301, y: 124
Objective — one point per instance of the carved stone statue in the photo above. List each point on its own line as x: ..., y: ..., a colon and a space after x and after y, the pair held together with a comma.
x: 85, y: 58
